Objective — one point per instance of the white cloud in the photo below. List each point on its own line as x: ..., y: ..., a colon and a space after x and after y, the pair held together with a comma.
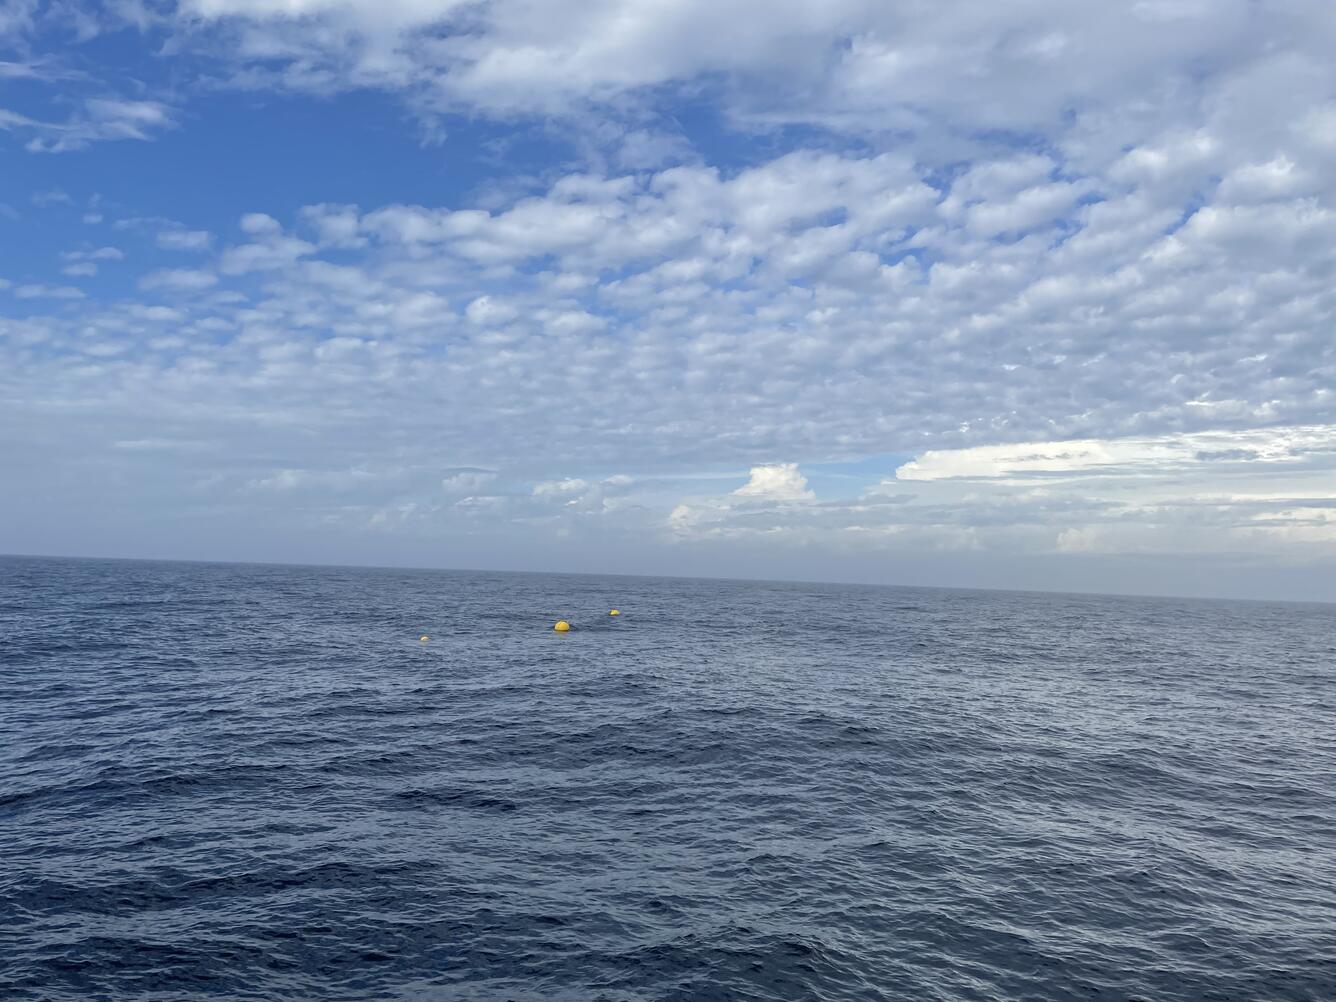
x: 287, y: 480
x: 560, y: 490
x: 335, y: 225
x: 816, y: 304
x: 96, y: 120
x: 36, y: 290
x: 579, y: 497
x: 183, y: 239
x: 1082, y: 541
x: 259, y: 224
x: 487, y: 311
x: 271, y: 250
x: 1241, y: 491
x: 1119, y: 457
x: 684, y: 519
x: 49, y: 197
x: 467, y: 481
x: 84, y: 263
x: 951, y: 70
x: 179, y: 280
x: 776, y: 482
x: 1262, y: 496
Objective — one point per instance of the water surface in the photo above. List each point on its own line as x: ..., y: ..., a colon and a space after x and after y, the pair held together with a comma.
x: 254, y: 782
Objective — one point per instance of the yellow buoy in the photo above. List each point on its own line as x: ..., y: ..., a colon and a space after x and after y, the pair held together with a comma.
x: 424, y: 638
x: 615, y: 612
x: 562, y: 626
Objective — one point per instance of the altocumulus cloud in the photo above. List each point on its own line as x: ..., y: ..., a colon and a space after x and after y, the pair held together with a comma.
x: 1053, y: 279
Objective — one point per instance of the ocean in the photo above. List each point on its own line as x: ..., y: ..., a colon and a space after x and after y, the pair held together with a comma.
x: 257, y: 782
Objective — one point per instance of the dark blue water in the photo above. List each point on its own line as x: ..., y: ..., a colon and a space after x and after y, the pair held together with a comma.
x: 254, y: 782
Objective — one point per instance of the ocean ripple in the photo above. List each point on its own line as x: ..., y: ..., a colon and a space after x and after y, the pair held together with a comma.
x: 252, y: 782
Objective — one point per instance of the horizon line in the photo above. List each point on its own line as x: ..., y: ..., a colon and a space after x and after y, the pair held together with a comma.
x: 670, y: 577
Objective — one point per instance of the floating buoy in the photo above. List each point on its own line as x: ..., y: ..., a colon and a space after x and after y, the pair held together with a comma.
x: 615, y: 612
x: 562, y: 626
x: 424, y: 638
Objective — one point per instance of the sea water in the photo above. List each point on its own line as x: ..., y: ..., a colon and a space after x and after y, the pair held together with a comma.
x: 257, y: 782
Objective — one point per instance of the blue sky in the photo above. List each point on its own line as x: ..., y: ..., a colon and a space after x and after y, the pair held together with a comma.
x: 1032, y: 295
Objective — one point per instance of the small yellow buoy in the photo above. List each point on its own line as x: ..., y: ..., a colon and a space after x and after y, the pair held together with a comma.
x: 615, y: 612
x: 562, y: 626
x: 424, y: 638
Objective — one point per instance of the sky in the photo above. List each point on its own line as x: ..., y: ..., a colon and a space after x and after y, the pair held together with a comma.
x: 1034, y: 295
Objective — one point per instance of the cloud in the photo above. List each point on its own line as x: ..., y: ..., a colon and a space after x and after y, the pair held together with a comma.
x: 767, y: 507
x: 575, y: 495
x: 52, y: 196
x: 259, y: 224
x: 1053, y: 259
x: 179, y: 280
x: 36, y: 290
x: 98, y: 119
x: 1143, y: 456
x: 1258, y: 490
x: 468, y: 481
x: 288, y: 480
x: 183, y: 239
x: 1262, y: 495
x: 485, y: 310
x: 816, y: 304
x: 270, y: 250
x: 98, y: 254
x: 84, y: 263
x: 335, y: 225
x: 776, y: 482
x: 560, y: 490
x: 947, y: 72
x: 397, y: 516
